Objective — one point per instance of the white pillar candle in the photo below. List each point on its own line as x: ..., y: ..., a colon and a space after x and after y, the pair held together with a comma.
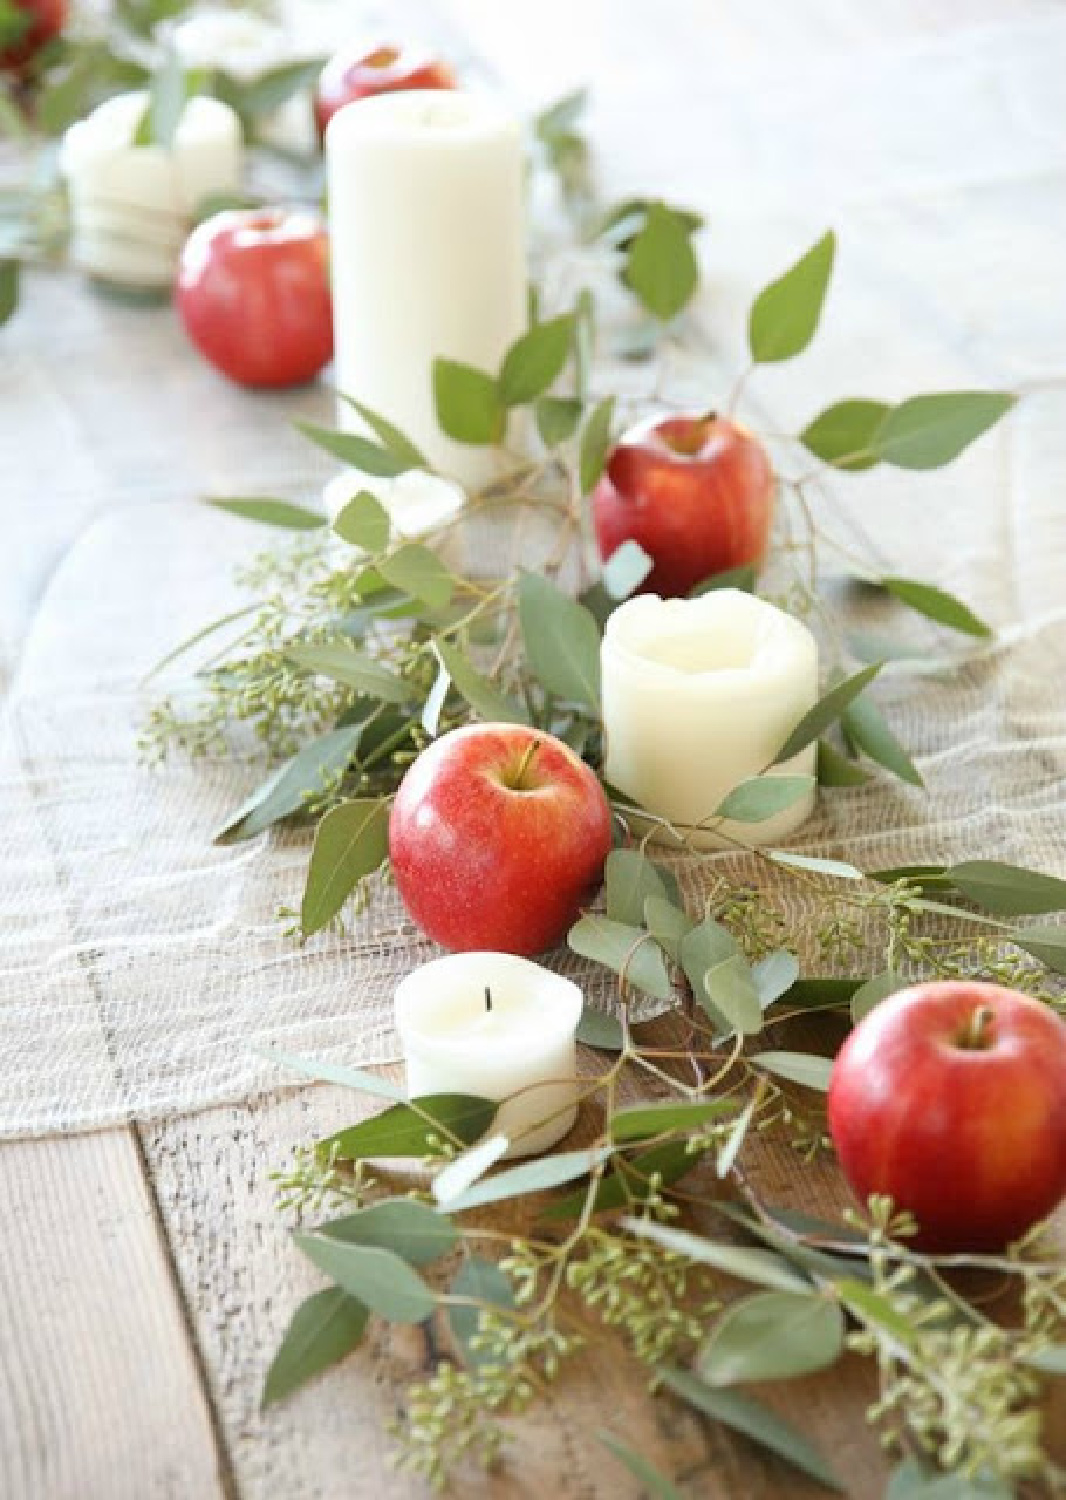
x: 699, y: 695
x: 421, y: 507
x: 428, y: 255
x: 523, y: 1046
x: 132, y: 206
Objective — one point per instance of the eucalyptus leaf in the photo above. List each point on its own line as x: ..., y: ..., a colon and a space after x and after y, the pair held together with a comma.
x: 484, y: 1281
x: 927, y: 432
x: 762, y: 797
x: 536, y: 360
x: 825, y: 712
x: 397, y: 442
x: 167, y: 97
x: 434, y: 704
x: 785, y: 314
x: 1008, y: 890
x: 773, y: 1336
x: 754, y: 1420
x: 937, y: 604
x: 761, y: 1267
x: 364, y: 522
x: 1051, y: 1360
x: 654, y: 1483
x: 668, y: 925
x: 327, y: 1072
x: 325, y: 1328
x: 268, y: 90
x: 639, y: 1121
x: 601, y: 1029
x: 742, y: 578
x: 628, y: 1181
x: 925, y: 877
x: 843, y: 435
x: 775, y: 975
x: 464, y: 1170
x: 351, y: 668
x: 595, y: 444
x: 1046, y: 943
x: 9, y: 288
x: 412, y: 1230
x: 702, y: 947
x: 268, y: 512
x: 627, y: 950
x: 534, y: 1176
x: 865, y: 724
x: 351, y: 842
x: 557, y: 418
x: 626, y: 569
x: 406, y: 1129
x: 870, y: 994
x: 838, y: 869
x: 482, y: 695
x: 560, y: 117
x: 356, y: 451
x: 629, y: 879
x: 798, y: 1067
x: 835, y: 769
x: 288, y: 789
x: 562, y: 641
x: 419, y: 572
x: 730, y: 987
x: 468, y: 403
x: 661, y: 268
x: 873, y: 1309
x: 378, y: 1278
x: 822, y: 993
x: 731, y: 1147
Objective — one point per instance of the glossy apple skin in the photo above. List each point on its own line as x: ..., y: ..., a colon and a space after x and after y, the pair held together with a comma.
x: 47, y: 19
x: 972, y: 1140
x: 358, y: 74
x: 697, y: 493
x: 481, y: 864
x: 253, y: 293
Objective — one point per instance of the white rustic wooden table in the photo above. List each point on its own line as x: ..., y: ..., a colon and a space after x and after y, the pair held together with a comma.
x: 144, y: 1275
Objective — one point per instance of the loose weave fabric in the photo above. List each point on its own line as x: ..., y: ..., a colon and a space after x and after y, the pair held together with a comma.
x: 142, y: 970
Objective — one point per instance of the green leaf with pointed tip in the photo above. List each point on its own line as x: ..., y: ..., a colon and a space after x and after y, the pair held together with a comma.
x: 9, y: 288
x: 762, y: 797
x: 269, y: 512
x: 835, y: 769
x: 775, y: 975
x: 483, y: 1280
x: 730, y: 1148
x: 405, y: 1129
x: 702, y: 947
x: 351, y: 842
x: 598, y: 1028
x: 822, y: 994
x: 288, y: 789
x: 561, y: 117
x: 327, y: 1072
x: 562, y: 641
x: 535, y: 1176
x: 661, y: 268
x: 626, y: 569
x: 351, y: 668
x: 838, y: 869
x: 927, y: 432
x: 1046, y: 943
x: 936, y: 604
x: 627, y: 950
x: 870, y: 994
x: 1008, y: 890
x: 761, y: 1267
x: 925, y: 877
x: 773, y: 1336
x: 356, y: 451
x: 418, y: 571
x: 380, y: 1279
x: 638, y: 1121
x: 397, y: 442
x: 798, y: 1067
x: 468, y: 1167
x: 482, y: 695
x: 730, y: 578
x: 654, y: 1482
x: 364, y: 522
x: 325, y: 1328
x: 668, y: 925
x: 730, y: 987
x: 557, y: 418
x: 630, y: 878
x: 627, y: 1182
x: 167, y: 97
x: 468, y: 403
x: 865, y: 724
x: 870, y: 1307
x: 755, y: 1421
x: 595, y: 444
x: 413, y: 1231
x: 785, y: 314
x: 269, y: 90
x: 536, y: 360
x: 843, y: 435
x: 826, y: 711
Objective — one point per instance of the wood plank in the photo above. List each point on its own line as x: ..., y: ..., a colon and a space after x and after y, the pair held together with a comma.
x: 100, y: 1394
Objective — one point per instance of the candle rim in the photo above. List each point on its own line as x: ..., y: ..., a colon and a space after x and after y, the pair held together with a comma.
x: 393, y: 118
x: 567, y: 994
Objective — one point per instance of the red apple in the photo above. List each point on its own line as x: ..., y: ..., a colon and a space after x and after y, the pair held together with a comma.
x: 697, y: 493
x: 951, y: 1098
x: 497, y: 837
x: 356, y: 74
x: 22, y: 35
x: 253, y: 294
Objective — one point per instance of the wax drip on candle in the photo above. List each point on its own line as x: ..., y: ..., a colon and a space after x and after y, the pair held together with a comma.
x: 488, y: 998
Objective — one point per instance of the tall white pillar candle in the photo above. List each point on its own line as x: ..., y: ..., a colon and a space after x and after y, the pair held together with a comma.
x: 522, y: 1044
x: 699, y: 695
x: 428, y: 253
x: 132, y: 206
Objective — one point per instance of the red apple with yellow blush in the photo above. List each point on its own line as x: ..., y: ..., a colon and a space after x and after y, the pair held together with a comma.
x: 696, y: 492
x: 357, y: 74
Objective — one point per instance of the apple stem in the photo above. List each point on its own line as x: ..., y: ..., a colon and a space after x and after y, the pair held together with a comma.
x: 975, y: 1038
x: 488, y: 998
x: 524, y: 765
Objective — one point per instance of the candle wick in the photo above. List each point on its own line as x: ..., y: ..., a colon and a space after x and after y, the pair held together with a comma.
x: 488, y: 998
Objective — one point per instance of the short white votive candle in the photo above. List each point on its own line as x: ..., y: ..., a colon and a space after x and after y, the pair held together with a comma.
x: 524, y: 1044
x: 698, y: 696
x: 427, y: 228
x: 132, y: 207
